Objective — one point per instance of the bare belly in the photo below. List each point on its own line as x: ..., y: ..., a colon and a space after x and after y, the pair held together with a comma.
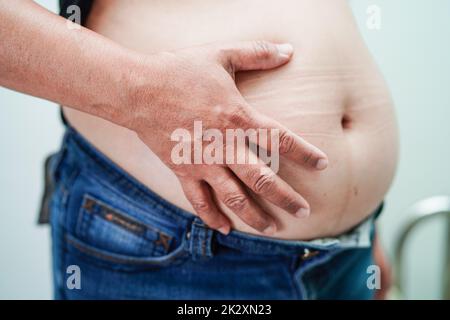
x: 331, y: 93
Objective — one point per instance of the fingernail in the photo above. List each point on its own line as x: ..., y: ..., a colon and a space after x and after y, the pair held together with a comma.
x: 224, y: 230
x: 321, y: 164
x: 302, y: 213
x: 270, y: 229
x: 285, y: 50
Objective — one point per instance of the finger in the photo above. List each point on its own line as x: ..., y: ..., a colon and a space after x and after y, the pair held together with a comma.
x: 200, y: 197
x: 294, y: 147
x: 279, y: 138
x: 255, y: 55
x: 265, y: 183
x: 234, y: 196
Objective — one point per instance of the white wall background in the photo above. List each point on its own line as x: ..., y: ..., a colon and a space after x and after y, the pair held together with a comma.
x: 413, y: 51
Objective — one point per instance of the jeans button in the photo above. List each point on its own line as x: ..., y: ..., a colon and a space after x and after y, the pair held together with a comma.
x: 307, y: 254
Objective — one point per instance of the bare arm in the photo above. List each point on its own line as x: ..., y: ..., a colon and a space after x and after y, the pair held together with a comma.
x: 154, y: 95
x: 40, y: 55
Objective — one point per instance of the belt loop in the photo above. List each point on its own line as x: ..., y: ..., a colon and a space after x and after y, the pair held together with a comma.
x: 200, y: 240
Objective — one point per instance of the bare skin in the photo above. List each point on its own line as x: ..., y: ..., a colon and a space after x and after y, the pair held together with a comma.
x: 330, y: 93
x: 151, y: 95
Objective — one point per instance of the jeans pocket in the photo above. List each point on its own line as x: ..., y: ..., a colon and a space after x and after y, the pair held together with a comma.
x: 106, y: 258
x: 115, y: 232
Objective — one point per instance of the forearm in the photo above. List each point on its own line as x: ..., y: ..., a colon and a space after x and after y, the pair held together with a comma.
x: 41, y: 56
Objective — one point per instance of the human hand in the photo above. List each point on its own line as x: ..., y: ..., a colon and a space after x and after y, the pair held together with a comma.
x: 172, y: 90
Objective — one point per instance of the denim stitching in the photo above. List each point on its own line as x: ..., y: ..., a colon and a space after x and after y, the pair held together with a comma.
x: 100, y: 204
x: 121, y: 259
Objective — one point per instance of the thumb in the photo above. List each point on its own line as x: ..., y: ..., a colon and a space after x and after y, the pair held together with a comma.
x: 256, y: 55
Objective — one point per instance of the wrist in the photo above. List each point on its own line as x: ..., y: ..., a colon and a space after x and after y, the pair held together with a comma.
x: 140, y: 83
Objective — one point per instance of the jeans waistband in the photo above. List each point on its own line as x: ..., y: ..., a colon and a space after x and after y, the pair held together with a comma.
x: 201, y: 238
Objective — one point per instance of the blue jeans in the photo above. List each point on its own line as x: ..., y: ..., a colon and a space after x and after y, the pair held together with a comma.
x: 129, y: 243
